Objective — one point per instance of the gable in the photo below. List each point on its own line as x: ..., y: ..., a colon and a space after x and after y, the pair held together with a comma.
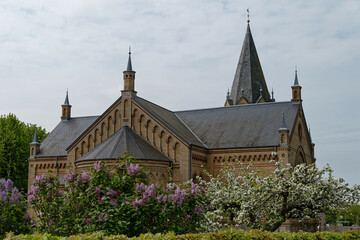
x: 170, y: 120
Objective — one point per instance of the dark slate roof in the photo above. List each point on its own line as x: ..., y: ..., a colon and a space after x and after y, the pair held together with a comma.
x: 170, y: 120
x: 35, y: 139
x: 129, y: 65
x: 66, y: 102
x: 296, y: 81
x: 249, y: 125
x: 63, y: 135
x: 124, y: 140
x: 249, y: 76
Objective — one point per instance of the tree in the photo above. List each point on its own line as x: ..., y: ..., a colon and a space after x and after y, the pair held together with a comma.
x: 350, y: 214
x: 15, y: 137
x: 301, y: 192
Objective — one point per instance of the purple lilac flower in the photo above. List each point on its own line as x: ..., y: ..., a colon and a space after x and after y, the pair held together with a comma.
x: 87, y: 220
x: 140, y: 187
x: 85, y: 176
x: 6, y: 185
x: 97, y: 165
x: 188, y: 217
x: 178, y: 196
x: 69, y: 176
x: 114, y: 203
x: 31, y: 198
x: 132, y: 169
x: 162, y: 199
x: 101, y: 217
x: 34, y: 190
x: 40, y: 179
x: 195, y: 189
x: 149, y: 192
x: 15, y: 196
x: 61, y: 192
x: 3, y: 197
x: 100, y: 200
x: 198, y: 210
x: 111, y: 192
x: 136, y: 202
x: 97, y: 191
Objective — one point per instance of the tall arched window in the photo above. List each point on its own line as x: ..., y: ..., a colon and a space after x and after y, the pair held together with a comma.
x: 300, y: 132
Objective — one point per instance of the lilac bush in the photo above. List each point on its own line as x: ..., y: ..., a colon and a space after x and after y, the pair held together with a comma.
x: 13, y: 216
x: 114, y: 200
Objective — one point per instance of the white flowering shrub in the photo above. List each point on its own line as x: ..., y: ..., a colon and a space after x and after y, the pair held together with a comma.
x: 247, y: 198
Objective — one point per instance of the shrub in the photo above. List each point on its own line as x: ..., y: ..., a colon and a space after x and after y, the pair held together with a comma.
x: 223, y: 235
x: 114, y: 200
x: 13, y: 216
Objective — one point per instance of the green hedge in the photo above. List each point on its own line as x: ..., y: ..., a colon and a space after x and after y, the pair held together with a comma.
x: 227, y: 234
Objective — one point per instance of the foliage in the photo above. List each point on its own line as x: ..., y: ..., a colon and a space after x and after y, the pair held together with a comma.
x: 350, y: 214
x: 15, y: 137
x: 114, y: 200
x: 223, y: 235
x: 13, y: 215
x: 260, y: 202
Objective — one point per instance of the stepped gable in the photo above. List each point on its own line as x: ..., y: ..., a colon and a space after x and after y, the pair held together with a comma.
x: 124, y: 140
x: 170, y: 121
x: 250, y: 125
x: 63, y: 135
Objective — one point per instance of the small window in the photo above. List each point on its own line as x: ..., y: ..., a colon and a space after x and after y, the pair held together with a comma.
x: 126, y: 76
x: 300, y: 132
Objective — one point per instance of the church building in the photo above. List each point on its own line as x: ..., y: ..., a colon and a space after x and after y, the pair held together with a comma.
x: 251, y: 126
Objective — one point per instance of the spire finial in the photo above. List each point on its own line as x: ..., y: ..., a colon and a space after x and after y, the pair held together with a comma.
x: 296, y: 81
x: 283, y: 125
x: 35, y: 140
x: 272, y: 93
x: 67, y: 98
x: 248, y: 15
x: 228, y: 94
x: 129, y: 66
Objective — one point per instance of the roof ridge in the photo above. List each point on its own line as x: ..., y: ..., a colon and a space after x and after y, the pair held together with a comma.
x: 153, y: 103
x: 190, y: 130
x: 92, y: 124
x: 234, y: 106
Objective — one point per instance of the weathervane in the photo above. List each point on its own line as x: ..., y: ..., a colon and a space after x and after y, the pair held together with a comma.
x: 248, y: 15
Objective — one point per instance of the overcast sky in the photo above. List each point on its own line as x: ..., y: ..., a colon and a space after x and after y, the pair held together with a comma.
x: 184, y: 53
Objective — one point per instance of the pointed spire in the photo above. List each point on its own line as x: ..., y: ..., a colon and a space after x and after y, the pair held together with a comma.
x: 228, y: 94
x: 296, y: 81
x: 249, y: 75
x: 67, y: 98
x: 310, y: 134
x: 283, y: 124
x: 272, y: 94
x: 129, y: 65
x: 35, y: 139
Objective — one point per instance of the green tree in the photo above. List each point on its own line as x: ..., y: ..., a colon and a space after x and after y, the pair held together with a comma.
x: 15, y: 137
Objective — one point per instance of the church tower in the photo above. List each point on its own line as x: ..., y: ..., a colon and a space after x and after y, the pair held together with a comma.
x: 34, y: 146
x: 249, y: 85
x: 296, y: 90
x: 66, y: 108
x: 129, y: 78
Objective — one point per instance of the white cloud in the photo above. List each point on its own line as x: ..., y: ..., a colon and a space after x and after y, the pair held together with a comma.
x: 185, y: 53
